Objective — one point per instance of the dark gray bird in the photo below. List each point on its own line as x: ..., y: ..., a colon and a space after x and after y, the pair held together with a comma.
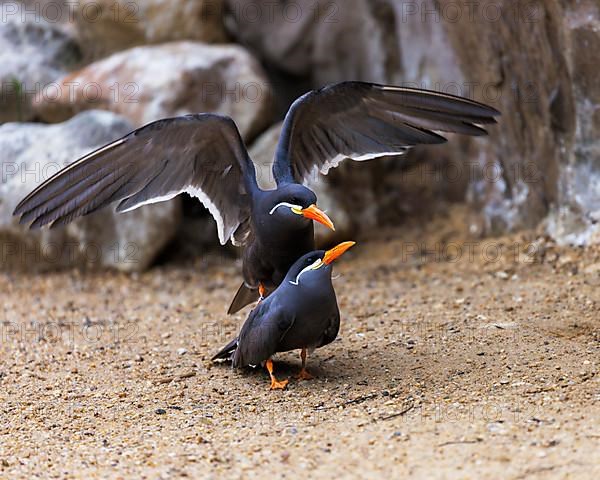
x: 204, y: 155
x: 302, y: 313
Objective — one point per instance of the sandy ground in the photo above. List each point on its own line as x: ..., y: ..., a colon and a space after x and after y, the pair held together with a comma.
x: 452, y: 362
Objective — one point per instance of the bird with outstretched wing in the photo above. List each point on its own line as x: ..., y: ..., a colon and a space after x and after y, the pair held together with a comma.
x: 205, y: 156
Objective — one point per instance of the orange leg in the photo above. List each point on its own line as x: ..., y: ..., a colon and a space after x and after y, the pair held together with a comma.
x: 275, y: 384
x: 262, y: 291
x: 303, y: 374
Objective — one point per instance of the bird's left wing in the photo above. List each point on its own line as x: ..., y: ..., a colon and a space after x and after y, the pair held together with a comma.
x: 361, y: 121
x: 261, y: 334
x: 201, y: 154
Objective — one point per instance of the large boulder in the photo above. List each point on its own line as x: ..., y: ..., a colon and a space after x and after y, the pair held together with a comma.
x: 327, y: 41
x: 31, y: 153
x: 262, y: 152
x: 33, y: 54
x: 108, y: 26
x: 148, y: 83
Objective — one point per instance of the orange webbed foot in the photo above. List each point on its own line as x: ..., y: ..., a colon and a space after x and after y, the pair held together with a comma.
x: 304, y: 375
x: 278, y: 384
x: 275, y: 384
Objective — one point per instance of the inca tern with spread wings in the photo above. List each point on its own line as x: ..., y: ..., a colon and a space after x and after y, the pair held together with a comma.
x: 204, y: 155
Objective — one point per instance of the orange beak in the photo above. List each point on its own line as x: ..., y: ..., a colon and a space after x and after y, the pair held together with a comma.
x: 314, y: 213
x: 337, y: 251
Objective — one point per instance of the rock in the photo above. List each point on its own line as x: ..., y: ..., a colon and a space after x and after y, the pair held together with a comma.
x: 33, y: 54
x: 535, y: 62
x: 60, y: 12
x: 148, y: 83
x: 575, y: 219
x: 31, y: 153
x: 320, y: 39
x: 108, y: 26
x: 262, y: 153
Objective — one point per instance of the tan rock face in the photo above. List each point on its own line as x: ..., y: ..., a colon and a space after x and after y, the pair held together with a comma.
x: 107, y: 26
x: 148, y: 83
x: 576, y: 217
x: 533, y: 61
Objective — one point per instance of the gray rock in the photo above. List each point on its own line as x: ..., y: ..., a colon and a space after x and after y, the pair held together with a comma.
x: 327, y: 41
x: 575, y: 220
x: 262, y: 153
x: 33, y: 54
x: 31, y: 153
x: 148, y: 83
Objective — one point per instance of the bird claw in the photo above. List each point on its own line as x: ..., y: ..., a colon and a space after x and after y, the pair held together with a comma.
x: 278, y: 384
x: 275, y: 384
x: 304, y: 375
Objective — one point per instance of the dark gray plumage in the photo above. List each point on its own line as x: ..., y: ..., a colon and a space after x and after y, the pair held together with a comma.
x: 302, y: 313
x: 362, y: 121
x: 202, y: 155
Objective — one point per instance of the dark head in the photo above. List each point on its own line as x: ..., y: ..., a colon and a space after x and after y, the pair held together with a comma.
x: 294, y: 205
x: 315, y: 267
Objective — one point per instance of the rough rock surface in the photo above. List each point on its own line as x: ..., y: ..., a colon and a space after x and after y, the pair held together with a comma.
x: 107, y: 26
x: 152, y: 82
x: 262, y: 153
x: 325, y: 40
x: 33, y: 54
x: 535, y: 61
x: 31, y: 153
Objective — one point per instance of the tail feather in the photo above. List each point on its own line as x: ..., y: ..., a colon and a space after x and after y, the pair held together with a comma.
x: 243, y: 297
x: 226, y: 352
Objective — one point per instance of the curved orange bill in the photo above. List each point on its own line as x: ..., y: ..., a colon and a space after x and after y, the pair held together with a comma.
x: 318, y: 215
x: 337, y: 251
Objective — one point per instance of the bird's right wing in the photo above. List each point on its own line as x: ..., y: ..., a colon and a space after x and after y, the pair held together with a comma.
x: 261, y: 334
x: 361, y: 121
x: 200, y: 154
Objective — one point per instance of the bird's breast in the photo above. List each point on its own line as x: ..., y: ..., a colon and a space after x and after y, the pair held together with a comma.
x: 314, y: 322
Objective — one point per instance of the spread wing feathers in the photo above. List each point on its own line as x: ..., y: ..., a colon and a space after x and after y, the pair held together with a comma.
x: 261, y: 334
x: 201, y: 154
x: 361, y: 121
